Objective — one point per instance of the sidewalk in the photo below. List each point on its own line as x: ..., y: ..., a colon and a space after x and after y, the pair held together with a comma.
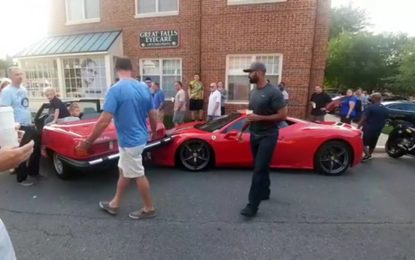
x: 380, y: 147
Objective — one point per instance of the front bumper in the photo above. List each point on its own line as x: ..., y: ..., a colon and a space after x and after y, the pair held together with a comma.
x: 112, y: 157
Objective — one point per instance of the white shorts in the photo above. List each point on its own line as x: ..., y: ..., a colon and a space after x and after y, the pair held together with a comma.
x: 131, y: 161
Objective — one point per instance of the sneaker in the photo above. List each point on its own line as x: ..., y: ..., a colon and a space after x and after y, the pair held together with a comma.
x: 366, y: 158
x: 105, y: 205
x: 249, y: 211
x: 26, y: 183
x: 141, y: 214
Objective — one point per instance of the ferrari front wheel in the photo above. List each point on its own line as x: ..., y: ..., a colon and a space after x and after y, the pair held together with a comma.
x: 195, y: 155
x: 333, y: 158
x: 60, y: 168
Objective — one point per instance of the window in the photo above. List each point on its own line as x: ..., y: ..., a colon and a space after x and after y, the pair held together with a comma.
x: 237, y: 82
x: 163, y: 71
x: 82, y: 11
x: 39, y: 75
x: 148, y: 8
x: 84, y: 77
x: 244, y: 2
x: 237, y: 126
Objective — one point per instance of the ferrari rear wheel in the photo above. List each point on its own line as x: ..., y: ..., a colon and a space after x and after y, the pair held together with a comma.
x: 60, y: 168
x: 333, y: 158
x: 195, y: 155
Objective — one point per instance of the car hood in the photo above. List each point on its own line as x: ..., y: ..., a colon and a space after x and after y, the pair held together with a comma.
x: 332, y: 125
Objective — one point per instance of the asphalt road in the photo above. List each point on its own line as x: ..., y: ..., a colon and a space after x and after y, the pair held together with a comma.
x: 368, y: 213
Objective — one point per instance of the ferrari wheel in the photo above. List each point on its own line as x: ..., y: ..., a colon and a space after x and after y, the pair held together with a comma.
x: 195, y: 155
x: 60, y: 168
x: 333, y: 158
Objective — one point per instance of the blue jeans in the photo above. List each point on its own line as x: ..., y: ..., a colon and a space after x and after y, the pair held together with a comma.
x: 262, y: 147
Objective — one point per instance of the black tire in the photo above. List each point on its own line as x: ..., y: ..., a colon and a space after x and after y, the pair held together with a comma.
x: 195, y: 155
x: 393, y: 150
x: 333, y: 158
x: 60, y: 168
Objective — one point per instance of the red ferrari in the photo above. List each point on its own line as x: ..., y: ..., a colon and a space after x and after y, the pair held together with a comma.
x: 59, y: 140
x: 328, y: 148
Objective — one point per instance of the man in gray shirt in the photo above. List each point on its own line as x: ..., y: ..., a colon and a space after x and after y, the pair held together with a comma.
x: 268, y: 109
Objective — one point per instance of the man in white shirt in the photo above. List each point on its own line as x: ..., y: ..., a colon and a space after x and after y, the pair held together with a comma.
x: 214, y: 102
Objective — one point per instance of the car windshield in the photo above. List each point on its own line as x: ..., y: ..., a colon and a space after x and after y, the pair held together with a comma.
x: 218, y: 123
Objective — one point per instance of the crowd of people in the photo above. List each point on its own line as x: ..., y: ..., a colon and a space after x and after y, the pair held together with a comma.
x: 267, y: 103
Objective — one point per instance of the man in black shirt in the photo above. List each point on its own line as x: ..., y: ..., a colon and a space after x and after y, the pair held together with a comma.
x: 268, y: 109
x: 319, y: 101
x: 57, y: 108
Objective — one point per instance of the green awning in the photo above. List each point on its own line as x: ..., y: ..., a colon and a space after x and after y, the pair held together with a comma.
x: 71, y: 44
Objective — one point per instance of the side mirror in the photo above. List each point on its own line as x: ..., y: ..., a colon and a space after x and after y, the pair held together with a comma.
x: 231, y: 135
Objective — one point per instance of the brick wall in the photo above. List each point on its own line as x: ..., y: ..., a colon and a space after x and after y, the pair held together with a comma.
x: 211, y: 29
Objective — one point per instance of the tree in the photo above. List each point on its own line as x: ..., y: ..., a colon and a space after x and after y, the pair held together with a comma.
x: 347, y: 19
x: 363, y: 60
x: 404, y: 81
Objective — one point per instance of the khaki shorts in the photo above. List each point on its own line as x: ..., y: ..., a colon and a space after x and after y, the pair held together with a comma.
x: 131, y: 161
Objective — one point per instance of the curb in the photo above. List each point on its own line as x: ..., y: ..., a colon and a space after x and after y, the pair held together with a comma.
x: 379, y: 149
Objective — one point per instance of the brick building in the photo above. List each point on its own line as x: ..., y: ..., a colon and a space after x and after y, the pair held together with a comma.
x: 170, y: 40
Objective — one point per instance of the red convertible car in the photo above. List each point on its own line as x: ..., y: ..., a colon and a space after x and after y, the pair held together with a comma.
x: 59, y: 140
x: 328, y: 148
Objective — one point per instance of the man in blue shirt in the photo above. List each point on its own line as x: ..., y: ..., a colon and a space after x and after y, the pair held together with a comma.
x: 373, y: 122
x: 15, y: 96
x: 158, y: 100
x: 129, y: 103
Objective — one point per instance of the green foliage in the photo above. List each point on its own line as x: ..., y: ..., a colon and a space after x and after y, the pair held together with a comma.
x: 361, y: 59
x: 404, y: 80
x: 347, y: 19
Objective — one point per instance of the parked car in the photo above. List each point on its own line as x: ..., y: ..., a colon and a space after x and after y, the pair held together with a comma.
x: 329, y: 148
x: 59, y: 140
x: 401, y: 111
x: 394, y: 98
x: 334, y: 106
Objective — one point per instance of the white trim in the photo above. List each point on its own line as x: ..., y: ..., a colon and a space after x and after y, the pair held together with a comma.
x: 251, y: 2
x: 62, y: 55
x: 84, y: 19
x: 61, y: 77
x: 108, y: 69
x: 90, y: 20
x: 253, y: 58
x: 157, y: 13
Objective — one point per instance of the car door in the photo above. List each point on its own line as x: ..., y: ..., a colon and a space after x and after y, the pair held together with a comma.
x: 229, y: 151
x: 409, y: 112
x: 396, y: 111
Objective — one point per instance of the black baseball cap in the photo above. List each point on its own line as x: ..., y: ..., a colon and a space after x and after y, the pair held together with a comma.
x: 256, y: 66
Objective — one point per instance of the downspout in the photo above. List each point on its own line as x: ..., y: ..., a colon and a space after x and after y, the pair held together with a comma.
x: 307, y: 108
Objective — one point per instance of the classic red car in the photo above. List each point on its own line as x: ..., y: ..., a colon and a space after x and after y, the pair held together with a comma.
x: 329, y: 148
x: 334, y: 106
x: 59, y: 140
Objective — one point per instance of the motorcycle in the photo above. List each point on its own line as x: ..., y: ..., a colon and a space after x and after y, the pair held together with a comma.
x: 401, y: 140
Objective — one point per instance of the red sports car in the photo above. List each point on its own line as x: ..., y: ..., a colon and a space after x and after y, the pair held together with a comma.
x: 329, y: 148
x: 59, y: 140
